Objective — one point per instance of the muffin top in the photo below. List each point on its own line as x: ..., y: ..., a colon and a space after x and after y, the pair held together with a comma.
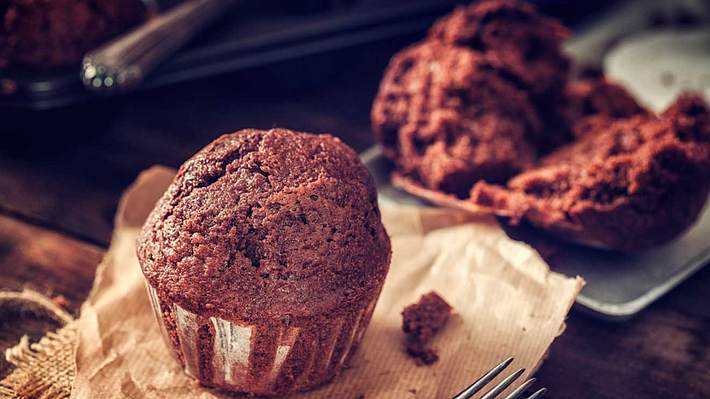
x: 447, y: 117
x: 526, y: 44
x: 268, y: 226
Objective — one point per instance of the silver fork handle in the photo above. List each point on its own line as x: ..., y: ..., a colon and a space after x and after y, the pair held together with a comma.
x: 124, y: 62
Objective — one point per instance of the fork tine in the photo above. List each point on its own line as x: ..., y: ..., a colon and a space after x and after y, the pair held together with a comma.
x: 493, y: 393
x: 483, y: 381
x: 538, y: 394
x: 521, y: 389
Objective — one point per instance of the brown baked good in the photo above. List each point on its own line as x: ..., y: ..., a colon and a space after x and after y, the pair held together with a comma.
x: 465, y: 104
x: 420, y: 322
x: 48, y: 33
x: 264, y: 260
x: 630, y: 184
x: 597, y: 96
x: 584, y: 105
x: 447, y: 117
x: 525, y: 44
x: 590, y: 102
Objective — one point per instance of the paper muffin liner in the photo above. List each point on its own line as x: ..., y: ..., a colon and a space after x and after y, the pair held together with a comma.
x: 259, y: 359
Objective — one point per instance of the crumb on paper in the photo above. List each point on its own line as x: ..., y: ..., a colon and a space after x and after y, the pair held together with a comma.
x: 420, y: 322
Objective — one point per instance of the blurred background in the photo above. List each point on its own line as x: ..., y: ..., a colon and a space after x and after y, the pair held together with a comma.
x: 67, y: 151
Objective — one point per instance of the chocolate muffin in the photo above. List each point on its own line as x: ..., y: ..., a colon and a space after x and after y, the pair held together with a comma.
x: 50, y: 33
x: 264, y: 260
x: 526, y: 44
x: 469, y: 103
x: 448, y: 117
x: 626, y: 185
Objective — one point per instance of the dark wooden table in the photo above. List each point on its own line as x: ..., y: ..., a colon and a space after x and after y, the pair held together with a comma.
x: 61, y: 174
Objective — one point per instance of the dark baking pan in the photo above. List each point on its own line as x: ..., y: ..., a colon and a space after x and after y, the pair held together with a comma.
x: 251, y: 35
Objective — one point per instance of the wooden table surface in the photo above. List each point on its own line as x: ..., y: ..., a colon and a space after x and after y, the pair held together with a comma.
x: 62, y: 173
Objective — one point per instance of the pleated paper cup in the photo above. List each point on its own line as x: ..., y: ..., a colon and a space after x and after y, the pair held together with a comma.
x: 263, y: 359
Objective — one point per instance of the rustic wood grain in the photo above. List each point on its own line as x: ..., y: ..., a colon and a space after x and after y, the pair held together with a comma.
x: 45, y: 261
x: 662, y: 353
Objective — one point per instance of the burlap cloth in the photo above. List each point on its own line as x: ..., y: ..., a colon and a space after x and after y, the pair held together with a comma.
x: 506, y: 300
x: 44, y: 369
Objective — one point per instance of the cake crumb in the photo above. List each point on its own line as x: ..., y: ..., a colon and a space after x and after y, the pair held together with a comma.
x: 420, y: 322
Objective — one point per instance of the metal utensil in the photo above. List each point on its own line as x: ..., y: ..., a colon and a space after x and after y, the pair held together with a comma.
x: 124, y: 62
x: 493, y: 393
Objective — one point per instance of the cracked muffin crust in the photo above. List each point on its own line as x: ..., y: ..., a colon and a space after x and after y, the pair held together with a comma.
x: 470, y: 102
x: 276, y: 237
x: 447, y: 117
x: 630, y: 184
x: 48, y: 33
x: 526, y: 44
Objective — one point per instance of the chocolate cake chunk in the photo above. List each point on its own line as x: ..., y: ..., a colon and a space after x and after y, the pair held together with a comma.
x: 264, y: 260
x: 420, y: 322
x: 525, y: 43
x: 599, y: 96
x: 591, y: 102
x: 49, y: 33
x: 585, y: 105
x: 631, y: 184
x: 447, y: 117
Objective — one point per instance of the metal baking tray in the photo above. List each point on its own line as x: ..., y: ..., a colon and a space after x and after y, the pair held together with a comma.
x: 619, y: 285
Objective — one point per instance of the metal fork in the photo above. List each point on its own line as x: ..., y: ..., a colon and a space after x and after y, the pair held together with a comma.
x: 498, y: 389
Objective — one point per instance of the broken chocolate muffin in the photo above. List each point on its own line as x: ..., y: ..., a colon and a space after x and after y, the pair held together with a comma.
x: 584, y: 105
x: 48, y: 33
x: 447, y: 117
x: 626, y: 185
x: 466, y: 103
x: 525, y: 44
x: 420, y: 321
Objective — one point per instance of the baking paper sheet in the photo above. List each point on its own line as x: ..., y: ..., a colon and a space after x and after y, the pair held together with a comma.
x: 506, y: 303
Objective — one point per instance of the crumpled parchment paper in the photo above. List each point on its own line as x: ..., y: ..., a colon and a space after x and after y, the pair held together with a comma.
x: 506, y: 301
